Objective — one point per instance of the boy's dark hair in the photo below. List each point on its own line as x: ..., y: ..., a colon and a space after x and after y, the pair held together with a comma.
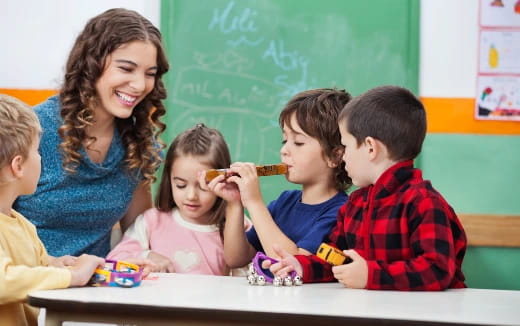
x: 101, y: 36
x: 390, y: 114
x: 207, y: 144
x: 317, y: 111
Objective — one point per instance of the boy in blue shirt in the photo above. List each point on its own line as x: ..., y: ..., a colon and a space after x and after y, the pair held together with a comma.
x: 298, y: 220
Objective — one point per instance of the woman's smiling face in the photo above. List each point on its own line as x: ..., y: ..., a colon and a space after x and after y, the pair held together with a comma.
x: 128, y: 77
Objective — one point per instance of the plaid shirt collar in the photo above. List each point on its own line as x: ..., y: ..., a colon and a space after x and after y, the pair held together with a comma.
x: 390, y: 181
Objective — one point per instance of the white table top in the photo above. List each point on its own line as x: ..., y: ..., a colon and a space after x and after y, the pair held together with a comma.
x: 465, y: 306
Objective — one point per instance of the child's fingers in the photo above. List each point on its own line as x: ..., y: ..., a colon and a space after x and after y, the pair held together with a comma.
x: 275, y: 268
x: 250, y: 168
x: 234, y: 179
x: 208, y: 185
x: 219, y: 179
x: 202, y: 180
x: 94, y: 261
x: 147, y: 266
x: 288, y: 262
x: 266, y: 263
x: 243, y: 169
x: 352, y: 254
x: 146, y: 270
x: 247, y: 171
x: 217, y: 188
x: 284, y: 271
x: 163, y: 268
x: 167, y: 266
x: 283, y: 268
x: 170, y: 268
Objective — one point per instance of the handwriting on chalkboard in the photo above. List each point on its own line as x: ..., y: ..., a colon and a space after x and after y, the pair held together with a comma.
x: 247, y: 76
x: 236, y: 63
x: 242, y: 24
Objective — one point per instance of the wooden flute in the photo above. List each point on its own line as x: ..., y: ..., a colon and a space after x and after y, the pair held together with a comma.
x: 261, y: 170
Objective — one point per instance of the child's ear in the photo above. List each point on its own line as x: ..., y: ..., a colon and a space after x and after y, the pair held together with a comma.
x: 17, y: 166
x: 335, y: 160
x: 372, y: 147
x: 376, y: 149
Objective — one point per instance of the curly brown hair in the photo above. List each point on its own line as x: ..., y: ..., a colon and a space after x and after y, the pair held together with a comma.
x: 317, y: 111
x: 209, y: 145
x: 140, y: 132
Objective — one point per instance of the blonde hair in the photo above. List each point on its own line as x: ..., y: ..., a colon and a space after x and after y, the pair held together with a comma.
x: 18, y: 125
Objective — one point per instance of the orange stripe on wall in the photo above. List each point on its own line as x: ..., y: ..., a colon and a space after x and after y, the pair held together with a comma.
x: 456, y: 115
x: 445, y: 115
x: 29, y: 96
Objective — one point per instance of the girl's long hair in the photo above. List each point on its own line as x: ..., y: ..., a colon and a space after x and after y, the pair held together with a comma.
x: 205, y: 143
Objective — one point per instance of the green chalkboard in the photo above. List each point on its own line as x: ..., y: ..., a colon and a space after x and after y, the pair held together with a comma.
x: 234, y: 64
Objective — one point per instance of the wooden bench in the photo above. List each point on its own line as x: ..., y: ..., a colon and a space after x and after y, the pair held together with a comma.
x: 491, y: 230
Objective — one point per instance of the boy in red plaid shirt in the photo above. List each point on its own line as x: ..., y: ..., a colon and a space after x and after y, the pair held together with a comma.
x: 398, y: 231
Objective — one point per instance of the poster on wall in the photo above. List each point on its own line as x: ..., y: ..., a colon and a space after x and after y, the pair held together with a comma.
x: 500, y: 13
x: 498, y: 98
x: 498, y: 78
x: 499, y: 52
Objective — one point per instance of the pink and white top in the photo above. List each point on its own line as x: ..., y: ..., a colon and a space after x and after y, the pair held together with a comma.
x: 193, y: 248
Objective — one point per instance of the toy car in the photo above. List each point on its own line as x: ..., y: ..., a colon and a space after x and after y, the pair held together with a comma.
x: 332, y: 255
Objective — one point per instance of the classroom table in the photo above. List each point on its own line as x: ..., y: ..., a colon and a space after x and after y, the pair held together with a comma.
x: 181, y: 299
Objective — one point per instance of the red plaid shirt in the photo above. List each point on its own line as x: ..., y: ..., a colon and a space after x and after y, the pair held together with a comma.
x: 409, y: 235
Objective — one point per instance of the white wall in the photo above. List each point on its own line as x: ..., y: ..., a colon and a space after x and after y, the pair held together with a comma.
x: 40, y: 34
x: 448, y: 47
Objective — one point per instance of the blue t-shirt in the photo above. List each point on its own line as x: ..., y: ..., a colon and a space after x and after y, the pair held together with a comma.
x: 306, y: 225
x: 74, y: 213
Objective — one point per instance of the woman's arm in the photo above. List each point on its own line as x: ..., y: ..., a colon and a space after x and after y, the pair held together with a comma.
x: 141, y: 201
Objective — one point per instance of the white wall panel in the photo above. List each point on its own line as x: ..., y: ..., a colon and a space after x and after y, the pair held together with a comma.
x: 448, y: 48
x: 37, y: 36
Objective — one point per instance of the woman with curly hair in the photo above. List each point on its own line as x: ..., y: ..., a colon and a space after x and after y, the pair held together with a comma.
x: 100, y: 146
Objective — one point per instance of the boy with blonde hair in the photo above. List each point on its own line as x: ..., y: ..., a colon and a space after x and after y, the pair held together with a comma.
x: 397, y: 230
x: 25, y: 265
